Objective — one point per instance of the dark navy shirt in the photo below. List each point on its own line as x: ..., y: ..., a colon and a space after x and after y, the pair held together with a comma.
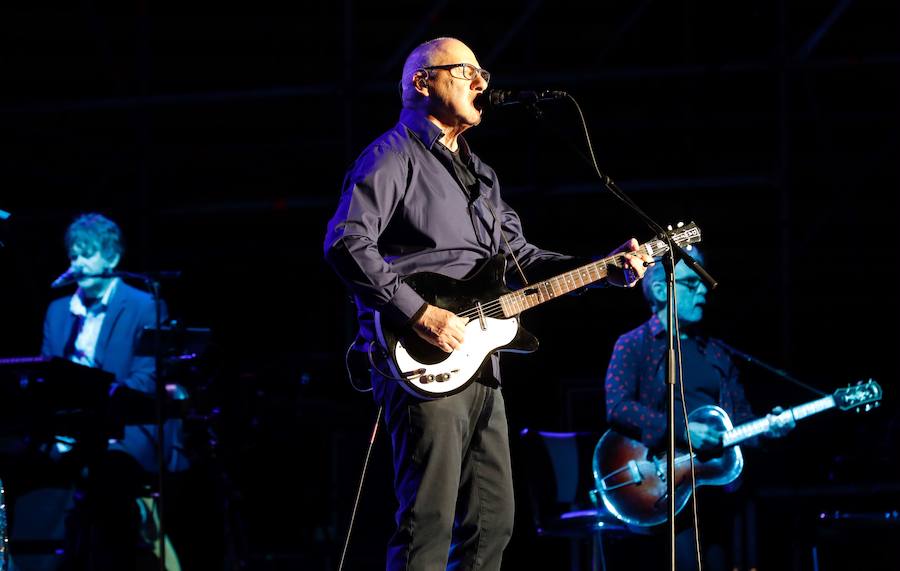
x: 406, y: 207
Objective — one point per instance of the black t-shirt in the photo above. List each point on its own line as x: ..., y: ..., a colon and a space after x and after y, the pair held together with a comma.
x: 702, y: 382
x: 458, y: 165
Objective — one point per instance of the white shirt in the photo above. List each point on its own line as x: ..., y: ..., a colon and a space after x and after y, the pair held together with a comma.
x: 91, y: 323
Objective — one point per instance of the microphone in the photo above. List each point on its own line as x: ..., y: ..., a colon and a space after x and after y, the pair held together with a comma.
x: 69, y: 276
x: 73, y: 275
x: 493, y: 98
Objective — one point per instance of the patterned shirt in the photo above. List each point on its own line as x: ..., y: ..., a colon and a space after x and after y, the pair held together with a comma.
x: 636, y: 388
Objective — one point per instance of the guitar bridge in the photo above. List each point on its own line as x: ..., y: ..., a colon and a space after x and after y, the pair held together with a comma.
x: 633, y: 477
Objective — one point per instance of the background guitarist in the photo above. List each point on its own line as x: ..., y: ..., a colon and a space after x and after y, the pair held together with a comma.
x: 418, y: 199
x: 635, y: 400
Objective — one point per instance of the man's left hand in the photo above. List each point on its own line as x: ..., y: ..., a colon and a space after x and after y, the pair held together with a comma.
x: 779, y: 424
x: 634, y: 267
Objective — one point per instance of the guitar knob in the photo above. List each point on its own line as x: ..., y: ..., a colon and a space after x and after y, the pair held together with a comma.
x: 425, y: 379
x: 442, y: 377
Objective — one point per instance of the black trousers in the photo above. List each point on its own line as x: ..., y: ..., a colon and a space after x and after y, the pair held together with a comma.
x: 452, y: 478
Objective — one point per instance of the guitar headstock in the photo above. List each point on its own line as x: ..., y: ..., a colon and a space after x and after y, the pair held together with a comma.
x: 863, y: 396
x: 683, y: 234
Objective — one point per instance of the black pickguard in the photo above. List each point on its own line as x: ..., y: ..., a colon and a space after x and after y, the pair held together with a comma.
x: 484, y: 285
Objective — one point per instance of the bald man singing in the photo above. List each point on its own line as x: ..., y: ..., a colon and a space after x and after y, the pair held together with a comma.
x: 418, y: 199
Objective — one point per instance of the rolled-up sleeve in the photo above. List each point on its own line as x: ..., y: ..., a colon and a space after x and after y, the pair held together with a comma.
x: 372, y: 192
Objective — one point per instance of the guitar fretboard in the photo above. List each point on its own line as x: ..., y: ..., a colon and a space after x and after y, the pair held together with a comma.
x: 514, y: 303
x: 518, y: 301
x: 759, y: 426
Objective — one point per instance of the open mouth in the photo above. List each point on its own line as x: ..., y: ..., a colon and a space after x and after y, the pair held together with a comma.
x: 480, y: 102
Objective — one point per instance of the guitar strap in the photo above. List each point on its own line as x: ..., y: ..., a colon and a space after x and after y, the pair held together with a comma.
x: 459, y: 164
x: 506, y: 241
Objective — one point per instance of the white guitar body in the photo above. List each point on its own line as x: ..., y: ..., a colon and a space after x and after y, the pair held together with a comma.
x: 449, y: 376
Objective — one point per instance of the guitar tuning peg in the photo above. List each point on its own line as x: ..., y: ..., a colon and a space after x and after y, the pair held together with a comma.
x: 689, y: 247
x: 680, y: 224
x: 669, y: 227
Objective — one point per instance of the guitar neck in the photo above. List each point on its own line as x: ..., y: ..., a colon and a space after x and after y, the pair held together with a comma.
x: 533, y: 295
x: 762, y: 425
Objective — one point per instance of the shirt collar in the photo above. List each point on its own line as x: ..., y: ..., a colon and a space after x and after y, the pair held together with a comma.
x: 76, y: 305
x: 429, y: 134
x: 657, y: 330
x: 418, y: 123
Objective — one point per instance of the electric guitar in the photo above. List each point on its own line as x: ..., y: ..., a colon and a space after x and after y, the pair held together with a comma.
x: 632, y: 482
x: 493, y: 311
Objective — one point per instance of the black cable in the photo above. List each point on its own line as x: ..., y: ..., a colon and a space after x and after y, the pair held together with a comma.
x: 592, y: 160
x: 350, y: 376
x: 362, y: 479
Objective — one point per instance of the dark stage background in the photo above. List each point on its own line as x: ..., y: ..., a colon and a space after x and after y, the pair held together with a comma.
x: 218, y: 137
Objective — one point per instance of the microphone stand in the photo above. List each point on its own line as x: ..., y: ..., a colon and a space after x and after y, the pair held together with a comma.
x: 763, y: 365
x: 152, y: 281
x: 673, y: 255
x: 160, y: 422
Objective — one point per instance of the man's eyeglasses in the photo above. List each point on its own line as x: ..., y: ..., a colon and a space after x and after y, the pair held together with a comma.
x: 82, y: 249
x: 692, y: 284
x: 462, y: 71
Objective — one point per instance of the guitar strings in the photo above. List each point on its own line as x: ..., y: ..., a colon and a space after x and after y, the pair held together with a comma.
x: 494, y: 308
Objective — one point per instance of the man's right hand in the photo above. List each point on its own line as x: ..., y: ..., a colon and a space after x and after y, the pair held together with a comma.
x: 704, y: 437
x: 441, y: 328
